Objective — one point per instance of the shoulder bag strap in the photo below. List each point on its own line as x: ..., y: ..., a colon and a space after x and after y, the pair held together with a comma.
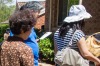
x: 72, y: 38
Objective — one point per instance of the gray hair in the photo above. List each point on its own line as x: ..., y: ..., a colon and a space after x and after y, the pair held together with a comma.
x: 34, y: 5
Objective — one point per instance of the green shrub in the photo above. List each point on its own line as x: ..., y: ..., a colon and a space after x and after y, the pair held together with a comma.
x: 47, y: 49
x: 1, y: 39
x: 3, y: 28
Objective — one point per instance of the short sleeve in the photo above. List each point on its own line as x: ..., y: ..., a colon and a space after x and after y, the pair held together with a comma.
x: 79, y: 35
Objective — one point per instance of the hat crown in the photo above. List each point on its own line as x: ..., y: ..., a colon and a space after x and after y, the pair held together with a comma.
x: 77, y: 13
x: 76, y: 10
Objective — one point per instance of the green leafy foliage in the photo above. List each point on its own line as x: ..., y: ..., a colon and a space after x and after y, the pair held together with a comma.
x: 72, y: 2
x: 5, y: 10
x: 3, y: 28
x: 47, y: 49
x: 5, y: 1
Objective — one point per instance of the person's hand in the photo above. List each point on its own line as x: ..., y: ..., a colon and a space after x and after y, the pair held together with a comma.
x: 97, y: 64
x: 37, y: 40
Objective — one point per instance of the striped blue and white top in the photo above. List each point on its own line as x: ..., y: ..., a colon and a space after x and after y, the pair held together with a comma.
x: 63, y: 42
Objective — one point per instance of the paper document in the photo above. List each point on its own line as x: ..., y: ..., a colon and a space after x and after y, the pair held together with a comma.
x: 46, y: 35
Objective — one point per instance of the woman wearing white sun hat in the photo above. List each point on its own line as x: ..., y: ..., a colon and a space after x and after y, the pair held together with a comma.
x: 74, y: 22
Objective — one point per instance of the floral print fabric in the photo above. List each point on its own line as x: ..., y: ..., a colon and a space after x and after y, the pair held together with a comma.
x: 14, y: 52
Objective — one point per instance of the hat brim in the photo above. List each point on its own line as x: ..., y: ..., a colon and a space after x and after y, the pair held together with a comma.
x: 79, y: 17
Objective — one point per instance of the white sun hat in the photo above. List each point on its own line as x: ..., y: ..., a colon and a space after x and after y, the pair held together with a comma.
x: 42, y: 11
x: 77, y: 13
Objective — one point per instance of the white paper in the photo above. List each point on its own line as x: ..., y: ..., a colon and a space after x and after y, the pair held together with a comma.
x: 46, y: 35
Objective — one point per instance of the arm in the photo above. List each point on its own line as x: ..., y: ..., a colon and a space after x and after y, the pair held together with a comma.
x: 85, y: 53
